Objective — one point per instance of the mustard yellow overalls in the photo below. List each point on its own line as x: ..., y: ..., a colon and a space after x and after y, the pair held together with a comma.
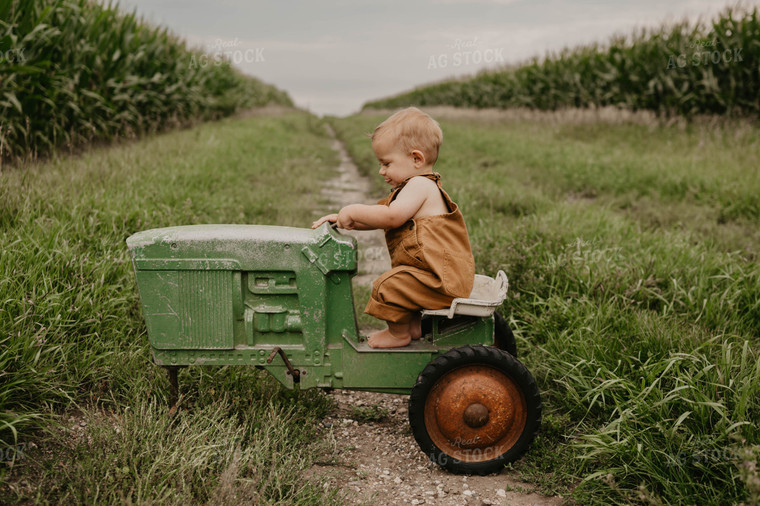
x: 431, y: 263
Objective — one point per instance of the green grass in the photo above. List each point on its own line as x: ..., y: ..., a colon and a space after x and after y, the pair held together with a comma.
x: 639, y: 320
x: 243, y: 439
x: 74, y: 341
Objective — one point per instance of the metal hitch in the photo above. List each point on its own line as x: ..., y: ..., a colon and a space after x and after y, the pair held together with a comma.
x: 293, y: 372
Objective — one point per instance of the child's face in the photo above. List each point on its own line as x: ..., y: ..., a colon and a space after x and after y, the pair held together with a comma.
x: 395, y: 165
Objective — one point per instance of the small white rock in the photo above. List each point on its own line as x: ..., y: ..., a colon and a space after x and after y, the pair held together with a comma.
x: 467, y: 492
x: 501, y: 492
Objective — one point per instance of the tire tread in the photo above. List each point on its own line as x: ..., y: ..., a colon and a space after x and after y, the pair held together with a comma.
x: 468, y: 355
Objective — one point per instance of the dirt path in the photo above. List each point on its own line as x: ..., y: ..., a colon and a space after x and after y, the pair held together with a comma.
x: 350, y: 187
x: 376, y: 459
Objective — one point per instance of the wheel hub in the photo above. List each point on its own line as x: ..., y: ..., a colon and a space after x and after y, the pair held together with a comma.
x: 475, y: 413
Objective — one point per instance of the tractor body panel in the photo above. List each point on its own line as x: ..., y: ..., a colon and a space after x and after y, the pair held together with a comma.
x: 234, y: 294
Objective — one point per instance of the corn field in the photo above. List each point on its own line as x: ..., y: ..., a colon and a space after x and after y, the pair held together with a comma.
x: 686, y: 68
x: 74, y: 71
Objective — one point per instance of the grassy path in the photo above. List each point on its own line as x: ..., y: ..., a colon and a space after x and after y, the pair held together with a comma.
x: 631, y: 248
x: 78, y: 393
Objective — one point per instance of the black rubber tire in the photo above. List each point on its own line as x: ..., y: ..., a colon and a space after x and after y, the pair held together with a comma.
x: 503, y: 338
x: 468, y: 356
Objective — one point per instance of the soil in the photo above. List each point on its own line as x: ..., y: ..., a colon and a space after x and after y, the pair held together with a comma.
x: 375, y: 459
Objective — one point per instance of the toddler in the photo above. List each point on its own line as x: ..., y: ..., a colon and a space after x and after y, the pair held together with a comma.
x: 425, y: 232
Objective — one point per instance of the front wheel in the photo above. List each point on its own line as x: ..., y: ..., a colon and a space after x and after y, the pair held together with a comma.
x: 475, y: 409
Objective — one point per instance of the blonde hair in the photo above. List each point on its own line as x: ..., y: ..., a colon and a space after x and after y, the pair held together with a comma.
x: 413, y: 129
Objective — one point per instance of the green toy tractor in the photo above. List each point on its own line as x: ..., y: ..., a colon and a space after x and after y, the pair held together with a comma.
x: 280, y: 299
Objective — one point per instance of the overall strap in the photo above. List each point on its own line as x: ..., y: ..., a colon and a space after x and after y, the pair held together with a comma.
x: 433, y: 176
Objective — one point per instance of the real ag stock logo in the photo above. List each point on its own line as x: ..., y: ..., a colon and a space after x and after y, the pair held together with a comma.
x: 229, y: 50
x: 705, y: 52
x: 465, y: 52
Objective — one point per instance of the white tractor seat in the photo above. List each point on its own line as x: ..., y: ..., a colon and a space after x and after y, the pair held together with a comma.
x: 487, y: 294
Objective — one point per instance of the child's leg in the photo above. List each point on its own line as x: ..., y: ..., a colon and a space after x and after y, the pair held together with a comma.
x: 404, y: 290
x: 397, y: 298
x: 415, y: 325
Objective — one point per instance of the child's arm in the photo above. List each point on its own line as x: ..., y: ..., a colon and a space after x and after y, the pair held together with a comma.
x: 333, y: 218
x: 370, y: 217
x: 401, y: 210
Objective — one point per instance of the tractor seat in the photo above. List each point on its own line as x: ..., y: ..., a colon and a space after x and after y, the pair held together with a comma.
x: 487, y: 294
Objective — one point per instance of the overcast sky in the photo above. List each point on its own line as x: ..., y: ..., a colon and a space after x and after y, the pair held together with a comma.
x: 331, y: 57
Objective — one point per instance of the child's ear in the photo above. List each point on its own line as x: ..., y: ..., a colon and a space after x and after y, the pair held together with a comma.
x: 418, y: 157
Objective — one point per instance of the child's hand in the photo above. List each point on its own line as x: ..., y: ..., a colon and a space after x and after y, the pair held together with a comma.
x: 332, y: 218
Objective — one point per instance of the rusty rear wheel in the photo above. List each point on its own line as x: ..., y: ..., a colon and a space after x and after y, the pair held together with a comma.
x: 475, y: 409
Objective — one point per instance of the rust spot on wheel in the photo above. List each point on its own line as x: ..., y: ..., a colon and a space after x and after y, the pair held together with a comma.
x: 475, y: 413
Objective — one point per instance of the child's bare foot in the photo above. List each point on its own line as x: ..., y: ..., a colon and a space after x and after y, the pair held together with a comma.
x: 415, y: 326
x: 384, y: 339
x: 395, y: 336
